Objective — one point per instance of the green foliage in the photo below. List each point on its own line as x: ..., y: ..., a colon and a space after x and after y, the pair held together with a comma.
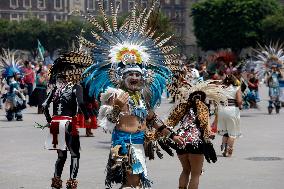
x: 160, y: 23
x: 24, y: 34
x: 273, y: 28
x: 5, y: 26
x: 59, y: 35
x: 27, y: 32
x: 232, y: 24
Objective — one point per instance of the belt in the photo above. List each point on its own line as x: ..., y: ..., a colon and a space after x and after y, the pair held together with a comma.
x: 231, y: 102
x: 58, y: 118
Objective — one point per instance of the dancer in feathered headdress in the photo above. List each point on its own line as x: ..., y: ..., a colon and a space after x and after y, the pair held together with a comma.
x: 192, y: 113
x: 129, y: 75
x: 10, y: 69
x: 222, y: 62
x: 269, y: 61
x: 67, y: 99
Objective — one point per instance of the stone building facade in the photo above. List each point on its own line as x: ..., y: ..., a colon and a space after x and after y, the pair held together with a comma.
x: 178, y: 11
x: 46, y: 10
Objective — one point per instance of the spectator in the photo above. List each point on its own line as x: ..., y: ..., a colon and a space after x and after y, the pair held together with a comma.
x: 29, y: 77
x: 40, y: 93
x: 253, y: 86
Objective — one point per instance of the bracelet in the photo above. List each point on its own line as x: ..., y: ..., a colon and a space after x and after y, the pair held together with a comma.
x: 151, y: 122
x: 161, y: 128
x: 113, y: 116
x: 171, y: 134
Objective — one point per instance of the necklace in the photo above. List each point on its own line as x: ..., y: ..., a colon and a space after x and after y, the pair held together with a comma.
x: 137, y: 106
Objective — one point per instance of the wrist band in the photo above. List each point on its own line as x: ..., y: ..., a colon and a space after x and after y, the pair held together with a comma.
x: 172, y: 135
x: 161, y: 128
x: 113, y: 116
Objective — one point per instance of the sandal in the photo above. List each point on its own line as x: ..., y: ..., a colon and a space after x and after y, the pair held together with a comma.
x: 228, y: 151
x: 56, y: 183
x: 71, y: 184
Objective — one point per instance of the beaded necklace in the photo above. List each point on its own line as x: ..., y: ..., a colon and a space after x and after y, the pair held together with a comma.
x: 137, y: 106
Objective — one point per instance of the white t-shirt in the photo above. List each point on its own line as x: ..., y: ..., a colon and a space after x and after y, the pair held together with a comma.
x: 195, y: 73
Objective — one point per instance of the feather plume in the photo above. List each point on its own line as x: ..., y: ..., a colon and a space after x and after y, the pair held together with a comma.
x: 106, y: 22
x: 9, y: 65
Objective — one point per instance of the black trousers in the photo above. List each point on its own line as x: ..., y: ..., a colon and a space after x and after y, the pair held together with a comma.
x: 73, y: 144
x: 30, y: 88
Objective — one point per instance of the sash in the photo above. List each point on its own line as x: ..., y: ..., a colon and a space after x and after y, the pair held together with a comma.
x: 55, y: 139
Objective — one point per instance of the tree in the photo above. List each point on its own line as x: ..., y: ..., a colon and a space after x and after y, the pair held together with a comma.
x: 234, y: 24
x: 26, y: 34
x: 59, y: 35
x: 273, y: 28
x: 62, y: 34
x: 4, y: 34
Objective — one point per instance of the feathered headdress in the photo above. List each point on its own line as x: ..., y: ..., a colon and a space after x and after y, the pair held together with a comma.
x: 130, y: 47
x: 71, y: 66
x: 220, y: 61
x: 195, y: 96
x: 268, y: 56
x: 9, y: 65
x: 209, y: 89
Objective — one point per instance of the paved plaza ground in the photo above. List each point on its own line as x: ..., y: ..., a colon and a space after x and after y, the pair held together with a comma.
x: 257, y: 162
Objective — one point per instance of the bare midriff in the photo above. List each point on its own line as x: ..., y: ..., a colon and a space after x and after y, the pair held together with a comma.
x: 130, y: 124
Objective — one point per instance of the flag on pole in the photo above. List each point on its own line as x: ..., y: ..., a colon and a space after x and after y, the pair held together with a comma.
x: 40, y: 50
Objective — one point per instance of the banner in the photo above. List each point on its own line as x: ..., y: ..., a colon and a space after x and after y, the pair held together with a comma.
x: 40, y: 50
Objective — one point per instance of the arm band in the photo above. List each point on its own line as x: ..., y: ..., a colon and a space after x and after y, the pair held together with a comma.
x: 172, y: 135
x: 113, y: 116
x: 161, y: 128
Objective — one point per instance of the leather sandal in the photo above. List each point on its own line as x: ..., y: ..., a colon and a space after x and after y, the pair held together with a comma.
x: 56, y: 183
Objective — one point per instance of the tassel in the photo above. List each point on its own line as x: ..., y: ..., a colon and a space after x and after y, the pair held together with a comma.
x: 123, y: 148
x: 137, y: 168
x: 158, y: 152
x: 146, y: 183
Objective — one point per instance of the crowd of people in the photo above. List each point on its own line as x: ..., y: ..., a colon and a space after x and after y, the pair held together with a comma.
x: 29, y: 76
x: 118, y: 85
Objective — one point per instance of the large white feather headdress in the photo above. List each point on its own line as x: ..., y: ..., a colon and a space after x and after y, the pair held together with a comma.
x: 9, y: 64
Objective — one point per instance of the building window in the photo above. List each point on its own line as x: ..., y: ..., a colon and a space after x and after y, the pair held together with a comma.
x: 14, y: 17
x: 143, y: 4
x: 106, y: 5
x: 178, y: 31
x: 27, y: 3
x: 42, y: 17
x: 178, y: 15
x: 167, y: 2
x: 118, y: 3
x: 41, y: 4
x: 130, y: 4
x: 14, y: 3
x: 26, y: 17
x: 57, y: 17
x: 177, y: 2
x: 169, y: 14
x: 91, y: 4
x: 57, y: 4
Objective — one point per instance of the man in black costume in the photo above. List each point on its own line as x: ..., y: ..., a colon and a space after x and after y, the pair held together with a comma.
x: 67, y: 98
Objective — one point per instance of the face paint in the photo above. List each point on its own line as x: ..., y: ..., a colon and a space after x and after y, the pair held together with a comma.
x: 133, y: 81
x: 60, y: 82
